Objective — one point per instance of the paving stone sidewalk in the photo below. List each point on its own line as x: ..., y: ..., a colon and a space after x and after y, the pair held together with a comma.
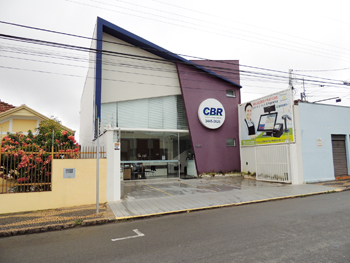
x: 343, y: 184
x: 63, y: 218
x: 54, y: 219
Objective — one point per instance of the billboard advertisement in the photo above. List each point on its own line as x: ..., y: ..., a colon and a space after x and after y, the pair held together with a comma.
x: 267, y: 120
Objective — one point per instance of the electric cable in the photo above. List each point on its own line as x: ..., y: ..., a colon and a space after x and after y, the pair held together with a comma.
x: 79, y: 48
x: 152, y: 49
x: 254, y: 26
x: 284, y: 44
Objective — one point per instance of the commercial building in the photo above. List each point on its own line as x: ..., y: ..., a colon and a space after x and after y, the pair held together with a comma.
x: 324, y: 132
x: 295, y: 142
x: 172, y: 117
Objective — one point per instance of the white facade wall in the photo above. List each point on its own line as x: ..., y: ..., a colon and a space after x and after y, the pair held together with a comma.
x: 113, y: 190
x: 86, y: 132
x: 317, y: 124
x: 126, y: 78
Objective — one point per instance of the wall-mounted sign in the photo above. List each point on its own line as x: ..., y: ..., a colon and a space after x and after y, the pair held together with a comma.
x: 116, y: 146
x: 211, y: 113
x: 267, y: 120
x: 68, y: 173
x: 319, y: 142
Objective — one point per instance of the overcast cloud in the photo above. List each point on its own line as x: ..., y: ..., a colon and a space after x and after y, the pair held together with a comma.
x: 275, y: 35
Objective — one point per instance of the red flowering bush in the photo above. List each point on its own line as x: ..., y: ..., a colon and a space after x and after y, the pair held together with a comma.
x: 27, y: 158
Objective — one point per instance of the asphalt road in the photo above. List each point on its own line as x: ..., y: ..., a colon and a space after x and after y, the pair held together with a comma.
x: 310, y: 229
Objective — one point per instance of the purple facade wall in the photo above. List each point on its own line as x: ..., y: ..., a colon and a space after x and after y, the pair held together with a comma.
x: 212, y: 153
x: 228, y: 69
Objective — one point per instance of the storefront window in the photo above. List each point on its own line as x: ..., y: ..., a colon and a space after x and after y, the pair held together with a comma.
x: 148, y: 155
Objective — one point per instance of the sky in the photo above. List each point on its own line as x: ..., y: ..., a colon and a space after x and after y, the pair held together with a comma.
x: 267, y: 37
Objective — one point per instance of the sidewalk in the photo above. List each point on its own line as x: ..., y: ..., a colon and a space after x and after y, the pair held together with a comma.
x: 154, y: 197
x: 53, y: 219
x: 151, y: 197
x: 343, y: 184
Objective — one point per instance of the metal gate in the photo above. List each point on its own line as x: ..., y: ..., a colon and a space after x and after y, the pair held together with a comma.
x: 339, y: 156
x: 272, y: 163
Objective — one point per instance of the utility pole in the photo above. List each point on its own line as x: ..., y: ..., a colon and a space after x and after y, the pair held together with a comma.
x: 302, y: 94
x: 290, y: 79
x: 98, y: 167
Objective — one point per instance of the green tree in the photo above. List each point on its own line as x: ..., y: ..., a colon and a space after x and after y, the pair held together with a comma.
x: 27, y: 158
x: 49, y: 125
x: 60, y: 137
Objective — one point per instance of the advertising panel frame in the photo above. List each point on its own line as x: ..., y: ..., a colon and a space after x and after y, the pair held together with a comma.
x: 277, y: 110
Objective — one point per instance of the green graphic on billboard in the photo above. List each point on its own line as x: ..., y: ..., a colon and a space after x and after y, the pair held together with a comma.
x: 268, y: 120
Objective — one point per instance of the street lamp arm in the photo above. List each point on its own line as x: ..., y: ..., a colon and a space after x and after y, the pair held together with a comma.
x: 337, y: 100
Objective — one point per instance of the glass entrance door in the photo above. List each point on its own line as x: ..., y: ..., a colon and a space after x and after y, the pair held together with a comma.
x: 154, y: 155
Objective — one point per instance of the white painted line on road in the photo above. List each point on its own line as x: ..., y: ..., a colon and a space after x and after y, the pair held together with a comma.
x: 139, y: 234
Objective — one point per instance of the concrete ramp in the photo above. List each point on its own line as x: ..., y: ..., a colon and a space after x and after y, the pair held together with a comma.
x: 154, y: 197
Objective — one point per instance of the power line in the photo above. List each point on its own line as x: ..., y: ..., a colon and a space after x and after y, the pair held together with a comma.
x: 240, y: 22
x: 56, y: 32
x: 216, y: 30
x: 222, y: 70
x: 320, y: 70
x: 191, y: 18
x: 78, y: 48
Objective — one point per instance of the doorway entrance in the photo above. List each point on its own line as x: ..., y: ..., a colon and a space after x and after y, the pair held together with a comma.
x: 339, y: 156
x: 155, y: 155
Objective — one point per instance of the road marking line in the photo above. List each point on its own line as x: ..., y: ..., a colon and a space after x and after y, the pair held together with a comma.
x: 158, y: 189
x: 139, y: 234
x: 199, y: 187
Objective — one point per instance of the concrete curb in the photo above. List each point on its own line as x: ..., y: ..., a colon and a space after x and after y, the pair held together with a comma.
x: 92, y: 222
x: 225, y: 205
x: 54, y: 227
x: 100, y: 221
x: 32, y: 230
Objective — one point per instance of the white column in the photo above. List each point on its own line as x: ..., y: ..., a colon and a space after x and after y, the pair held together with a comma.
x: 113, y: 168
x: 295, y: 165
x: 296, y: 151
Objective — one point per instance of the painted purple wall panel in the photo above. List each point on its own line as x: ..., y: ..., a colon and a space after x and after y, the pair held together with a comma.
x: 214, y: 154
x: 228, y: 69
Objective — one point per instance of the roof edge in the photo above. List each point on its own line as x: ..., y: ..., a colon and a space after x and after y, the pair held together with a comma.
x: 9, y: 112
x: 148, y: 46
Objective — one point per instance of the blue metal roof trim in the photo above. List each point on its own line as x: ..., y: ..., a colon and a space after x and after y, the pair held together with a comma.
x: 98, y: 72
x: 135, y: 40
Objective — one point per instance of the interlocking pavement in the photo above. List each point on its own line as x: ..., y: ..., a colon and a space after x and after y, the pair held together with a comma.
x: 343, y: 184
x: 157, y: 192
x: 55, y: 219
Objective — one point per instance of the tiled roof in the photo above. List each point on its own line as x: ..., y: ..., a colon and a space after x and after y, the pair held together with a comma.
x: 5, y: 106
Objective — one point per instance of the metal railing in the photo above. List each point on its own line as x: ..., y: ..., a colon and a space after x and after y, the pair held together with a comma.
x: 273, y: 163
x: 29, y: 169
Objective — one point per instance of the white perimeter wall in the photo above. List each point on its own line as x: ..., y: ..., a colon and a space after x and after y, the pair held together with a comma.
x: 248, y: 158
x: 125, y: 78
x: 296, y: 157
